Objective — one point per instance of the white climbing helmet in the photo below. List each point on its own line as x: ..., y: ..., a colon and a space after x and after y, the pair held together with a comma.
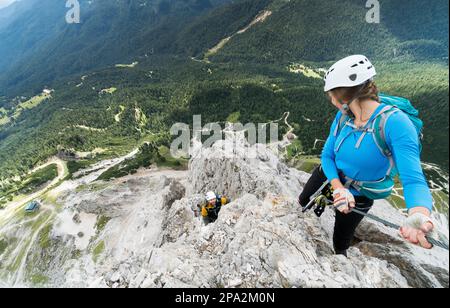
x: 210, y: 196
x: 349, y: 72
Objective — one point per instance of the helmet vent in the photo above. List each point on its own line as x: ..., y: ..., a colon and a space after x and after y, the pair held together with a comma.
x: 353, y: 77
x: 355, y: 65
x: 370, y: 67
x: 361, y: 62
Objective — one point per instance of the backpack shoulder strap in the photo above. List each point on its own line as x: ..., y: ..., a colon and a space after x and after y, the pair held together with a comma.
x: 218, y: 200
x: 369, y: 127
x: 379, y: 135
x: 379, y: 128
x: 342, y: 120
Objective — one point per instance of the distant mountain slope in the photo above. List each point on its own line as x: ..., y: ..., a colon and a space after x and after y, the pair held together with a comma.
x: 7, y: 13
x: 207, y: 30
x: 45, y: 47
x: 326, y: 30
x: 24, y: 27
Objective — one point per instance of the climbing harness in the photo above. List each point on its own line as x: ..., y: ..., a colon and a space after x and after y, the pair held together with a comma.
x: 320, y: 199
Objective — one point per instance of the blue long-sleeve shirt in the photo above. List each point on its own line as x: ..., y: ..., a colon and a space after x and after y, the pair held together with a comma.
x: 367, y: 163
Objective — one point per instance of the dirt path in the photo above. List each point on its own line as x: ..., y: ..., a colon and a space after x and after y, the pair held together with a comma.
x: 287, y: 139
x: 12, y: 207
x: 291, y: 129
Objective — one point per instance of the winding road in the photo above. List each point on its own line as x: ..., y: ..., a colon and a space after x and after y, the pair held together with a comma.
x: 12, y: 207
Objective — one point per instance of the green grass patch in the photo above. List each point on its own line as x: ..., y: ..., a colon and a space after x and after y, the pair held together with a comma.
x: 91, y: 187
x: 76, y: 254
x: 101, y: 223
x: 51, y: 199
x: 6, y: 247
x: 306, y: 163
x: 44, y: 237
x: 303, y: 69
x: 75, y: 166
x: 81, y: 188
x: 294, y: 149
x: 31, y: 103
x: 30, y: 184
x: 234, y: 117
x: 397, y: 202
x: 4, y: 120
x: 18, y: 260
x: 166, y: 160
x: 38, y: 223
x: 34, y: 101
x: 34, y: 225
x: 127, y: 65
x: 441, y: 202
x: 98, y: 250
x: 148, y: 155
x: 3, y: 246
x: 109, y: 90
x: 34, y: 181
x: 309, y: 166
x: 39, y: 279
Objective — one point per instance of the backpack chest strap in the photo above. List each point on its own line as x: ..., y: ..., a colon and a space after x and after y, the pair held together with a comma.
x: 364, y: 130
x: 361, y: 138
x: 371, y: 127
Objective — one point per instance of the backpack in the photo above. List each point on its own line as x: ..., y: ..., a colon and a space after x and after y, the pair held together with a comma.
x: 383, y: 188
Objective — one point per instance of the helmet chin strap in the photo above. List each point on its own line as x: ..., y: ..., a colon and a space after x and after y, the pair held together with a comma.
x: 346, y: 110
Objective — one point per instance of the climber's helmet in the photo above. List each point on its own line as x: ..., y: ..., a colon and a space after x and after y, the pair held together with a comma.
x: 349, y: 72
x: 211, y: 197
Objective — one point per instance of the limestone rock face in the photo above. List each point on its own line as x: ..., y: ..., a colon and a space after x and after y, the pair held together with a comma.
x: 152, y: 238
x: 236, y: 169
